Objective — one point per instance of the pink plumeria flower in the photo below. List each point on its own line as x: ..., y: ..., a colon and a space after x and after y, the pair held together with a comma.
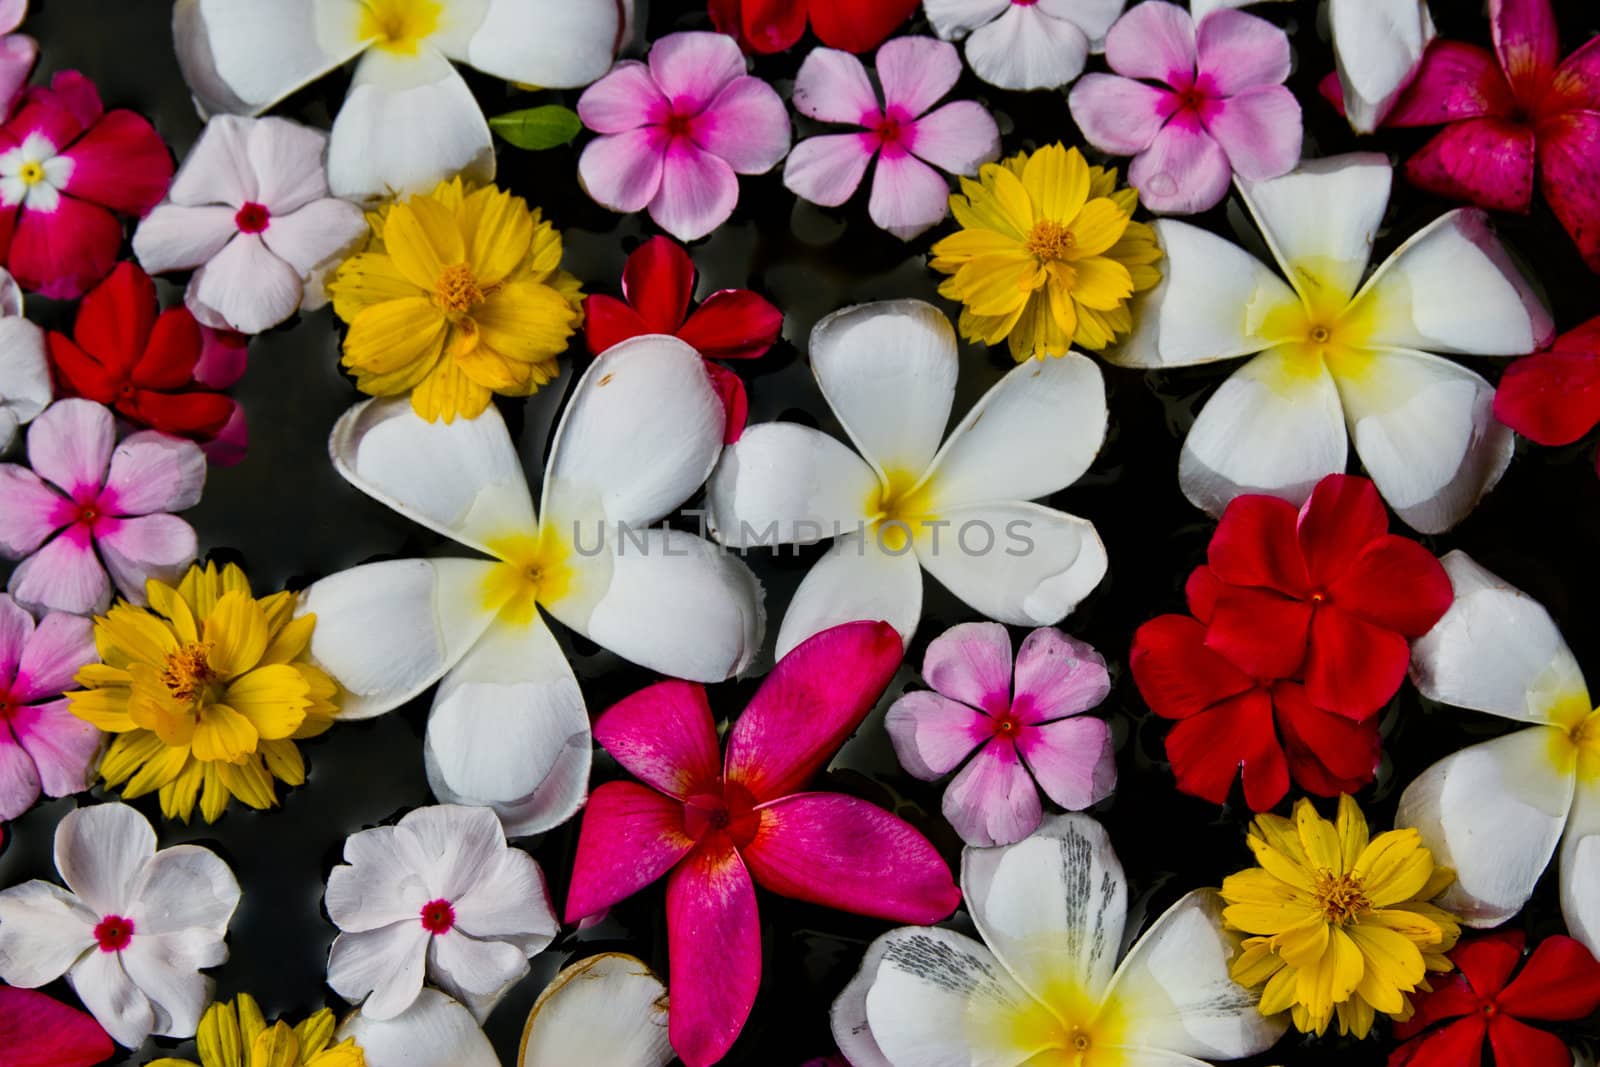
x: 18, y: 52
x: 1023, y: 724
x: 908, y: 196
x: 1219, y: 105
x: 43, y: 746
x: 677, y: 132
x: 96, y: 506
x: 249, y: 212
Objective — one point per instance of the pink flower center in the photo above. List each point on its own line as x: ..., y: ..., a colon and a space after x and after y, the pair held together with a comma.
x: 731, y: 812
x: 1023, y: 3
x: 252, y: 218
x: 114, y: 933
x: 678, y: 124
x: 8, y: 704
x: 88, y: 513
x: 1196, y: 99
x: 438, y: 916
x: 1008, y: 725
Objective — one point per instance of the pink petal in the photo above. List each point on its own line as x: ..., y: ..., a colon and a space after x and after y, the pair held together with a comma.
x: 19, y: 779
x: 121, y: 163
x: 18, y: 54
x: 286, y: 159
x: 959, y: 137
x: 61, y: 745
x: 746, y: 124
x: 38, y: 1031
x: 1241, y: 51
x: 1578, y: 77
x: 224, y: 355
x: 16, y: 627
x: 1074, y: 760
x: 1568, y: 148
x: 12, y: 12
x: 64, y: 575
x: 844, y: 853
x: 152, y: 471
x: 812, y: 700
x: 832, y: 86
x: 315, y: 233
x: 71, y: 90
x: 827, y: 170
x: 45, y: 113
x: 1488, y: 162
x: 70, y: 446
x: 916, y: 72
x: 59, y: 646
x: 1528, y: 43
x: 972, y: 663
x: 713, y: 952
x: 630, y: 837
x: 993, y: 801
x: 623, y: 171
x: 245, y: 288
x: 64, y: 253
x: 932, y: 734
x: 30, y: 510
x: 908, y: 196
x: 146, y: 547
x: 1119, y: 115
x: 1056, y: 676
x: 690, y: 69
x: 698, y: 191
x: 1154, y: 41
x: 1455, y: 81
x: 664, y: 736
x: 1260, y: 130
x: 623, y: 100
x: 1183, y: 171
x: 231, y: 442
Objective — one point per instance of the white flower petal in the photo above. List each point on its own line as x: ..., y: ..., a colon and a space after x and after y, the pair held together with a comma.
x: 1580, y: 867
x: 555, y: 45
x: 509, y: 901
x: 475, y: 972
x: 1378, y: 45
x: 784, y: 483
x: 312, y: 236
x: 1199, y: 9
x: 1027, y: 49
x: 243, y: 56
x: 166, y: 969
x: 184, y: 889
x: 101, y: 852
x: 25, y: 389
x: 848, y: 1017
x: 383, y: 967
x: 43, y: 931
x: 111, y: 997
x: 174, y: 237
x: 435, y: 1032
x: 450, y: 846
x: 606, y: 1009
x: 374, y: 887
x: 857, y: 580
x: 954, y: 19
x: 286, y: 160
x: 245, y: 288
x: 217, y: 170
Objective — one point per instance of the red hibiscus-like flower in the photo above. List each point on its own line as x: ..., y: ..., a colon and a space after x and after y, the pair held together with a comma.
x: 657, y: 285
x: 1324, y: 593
x: 774, y: 25
x: 37, y: 1031
x: 152, y: 367
x: 1559, y: 982
x: 1553, y: 398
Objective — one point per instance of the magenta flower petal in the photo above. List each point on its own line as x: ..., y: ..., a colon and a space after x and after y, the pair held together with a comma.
x: 908, y: 196
x: 19, y: 778
x: 972, y: 663
x: 1579, y: 76
x: 1184, y: 170
x: 1056, y: 676
x: 64, y: 575
x: 827, y: 170
x: 1155, y: 40
x: 70, y: 445
x: 832, y: 86
x: 1072, y: 759
x: 16, y: 626
x: 30, y: 510
x: 690, y: 69
x: 713, y: 952
x: 631, y: 836
x: 959, y: 137
x: 152, y: 471
x: 993, y: 801
x: 1487, y: 161
x: 698, y: 192
x: 1528, y: 43
x: 916, y: 72
x: 1568, y: 148
x: 38, y: 1031
x: 746, y: 125
x: 1119, y: 115
x: 136, y: 550
x: 841, y: 852
x: 932, y: 734
x: 61, y: 255
x: 121, y: 164
x: 1260, y: 130
x: 1455, y: 81
x: 53, y: 652
x: 623, y: 100
x: 1239, y: 51
x: 61, y: 745
x: 623, y: 171
x: 664, y: 736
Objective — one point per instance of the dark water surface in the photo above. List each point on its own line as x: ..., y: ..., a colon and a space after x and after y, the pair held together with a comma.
x: 290, y: 519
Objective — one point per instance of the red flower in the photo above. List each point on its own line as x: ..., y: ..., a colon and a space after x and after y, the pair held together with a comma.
x: 1553, y: 397
x: 37, y: 1031
x: 657, y: 285
x: 1324, y: 593
x: 774, y: 25
x: 1559, y: 982
x: 126, y: 353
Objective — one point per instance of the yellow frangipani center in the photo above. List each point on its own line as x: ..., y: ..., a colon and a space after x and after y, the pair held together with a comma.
x: 457, y: 290
x: 533, y: 570
x: 1322, y: 328
x: 896, y: 507
x: 1069, y: 1027
x: 399, y: 26
x: 1575, y: 740
x: 32, y: 173
x: 188, y: 673
x: 1050, y: 241
x: 1342, y: 897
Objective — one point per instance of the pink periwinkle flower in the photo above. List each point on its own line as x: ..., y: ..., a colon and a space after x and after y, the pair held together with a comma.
x: 1218, y: 105
x: 908, y: 195
x: 90, y: 505
x: 1025, y: 725
x: 18, y: 52
x: 717, y: 826
x: 43, y: 746
x: 676, y: 133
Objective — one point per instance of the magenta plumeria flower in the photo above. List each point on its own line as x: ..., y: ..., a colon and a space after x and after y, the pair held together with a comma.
x: 1024, y: 723
x: 1193, y: 105
x: 43, y: 746
x: 90, y: 506
x: 908, y: 195
x: 677, y: 132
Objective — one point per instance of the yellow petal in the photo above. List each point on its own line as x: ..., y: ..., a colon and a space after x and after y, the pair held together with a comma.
x: 222, y: 734
x: 289, y: 640
x: 423, y: 238
x: 1318, y: 838
x: 1102, y: 283
x: 1355, y: 1017
x: 1280, y: 991
x: 544, y: 258
x: 106, y: 709
x: 1392, y: 963
x: 1266, y: 918
x: 165, y: 599
x: 1280, y: 834
x: 345, y: 1054
x: 251, y: 1021
x: 367, y: 279
x: 1011, y: 199
x: 952, y: 251
x: 1034, y: 332
x: 127, y: 753
x: 237, y: 632
x: 159, y: 770
x: 1059, y: 292
x: 999, y: 285
x: 447, y: 394
x: 315, y: 1033
x: 276, y: 1047
x: 1256, y: 965
x: 214, y: 798
x: 178, y: 796
x: 396, y: 336
x: 273, y: 698
x: 499, y: 232
x: 1331, y: 980
x: 1351, y: 827
x: 218, y: 1041
x: 284, y: 762
x: 1394, y: 868
x: 1303, y: 944
x: 127, y: 634
x: 1057, y: 179
x: 527, y: 321
x: 1097, y: 227
x: 249, y: 781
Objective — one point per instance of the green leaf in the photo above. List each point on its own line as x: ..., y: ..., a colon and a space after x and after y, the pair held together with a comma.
x: 538, y: 128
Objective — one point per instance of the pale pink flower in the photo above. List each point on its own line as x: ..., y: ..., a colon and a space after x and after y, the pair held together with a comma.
x: 43, y: 746
x: 908, y: 196
x: 18, y: 52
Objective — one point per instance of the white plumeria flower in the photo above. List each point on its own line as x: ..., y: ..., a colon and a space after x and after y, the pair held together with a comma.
x: 25, y: 389
x: 439, y: 893
x: 1377, y: 46
x: 33, y: 174
x: 1335, y: 351
x: 133, y: 932
x: 1496, y: 811
x: 409, y: 120
x: 961, y: 511
x: 1025, y: 44
x: 607, y: 1009
x: 434, y: 1032
x: 1047, y: 982
x: 508, y: 728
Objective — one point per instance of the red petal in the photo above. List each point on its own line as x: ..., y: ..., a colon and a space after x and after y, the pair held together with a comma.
x: 735, y: 404
x: 608, y: 321
x: 78, y: 373
x: 630, y: 837
x: 1568, y: 147
x: 69, y: 89
x: 1517, y: 1044
x: 1332, y: 749
x: 1207, y: 751
x: 1488, y: 162
x: 1552, y: 398
x: 1487, y: 962
x: 115, y: 319
x: 121, y: 163
x: 1560, y: 982
x: 39, y: 1031
x: 1340, y: 518
x: 1451, y: 998
x: 1458, y: 1045
x: 1261, y: 632
x: 1395, y: 584
x: 1455, y: 81
x: 725, y: 16
x: 713, y: 952
x: 46, y: 114
x: 733, y: 324
x: 62, y: 254
x: 195, y: 414
x: 1201, y: 591
x: 1528, y: 43
x: 855, y: 26
x: 664, y: 736
x: 1255, y: 544
x: 174, y: 349
x: 1332, y: 90
x: 658, y: 281
x: 772, y: 25
x: 1353, y: 667
x: 1177, y: 675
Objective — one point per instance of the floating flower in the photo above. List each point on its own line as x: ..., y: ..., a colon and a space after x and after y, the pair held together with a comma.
x: 508, y: 728
x: 250, y: 214
x: 43, y: 747
x: 1332, y: 351
x: 1047, y: 256
x: 608, y: 1009
x: 1218, y: 105
x: 126, y: 353
x: 1029, y: 733
x: 1496, y: 811
x: 1559, y: 982
x: 676, y: 133
x: 775, y: 25
x: 67, y: 170
x: 1025, y: 45
x: 717, y: 826
x: 1343, y: 924
x: 24, y: 369
x: 1378, y: 46
x: 39, y: 1031
x: 237, y: 1035
x: 440, y: 893
x: 18, y: 53
x: 434, y: 1032
x: 133, y: 933
x: 657, y: 285
x: 460, y: 297
x: 208, y: 687
x: 91, y: 505
x: 1045, y: 985
x: 1553, y: 397
x: 409, y: 120
x: 902, y: 133
x: 960, y: 511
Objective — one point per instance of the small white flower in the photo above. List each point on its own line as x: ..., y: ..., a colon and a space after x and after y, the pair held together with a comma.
x: 25, y: 389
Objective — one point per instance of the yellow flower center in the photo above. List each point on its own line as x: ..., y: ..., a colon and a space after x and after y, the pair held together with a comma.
x: 457, y: 289
x: 1322, y: 328
x: 399, y: 26
x: 896, y: 507
x: 1050, y: 241
x: 188, y: 674
x: 31, y: 173
x: 533, y: 570
x: 1342, y: 897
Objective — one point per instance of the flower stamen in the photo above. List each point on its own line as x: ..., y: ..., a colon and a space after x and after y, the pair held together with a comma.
x: 188, y: 671
x: 1049, y: 241
x: 457, y: 289
x: 1342, y: 897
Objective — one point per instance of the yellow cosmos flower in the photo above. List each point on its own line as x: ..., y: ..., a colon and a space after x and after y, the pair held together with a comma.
x: 1048, y: 254
x: 458, y: 296
x: 207, y: 689
x: 1344, y: 922
x: 236, y: 1035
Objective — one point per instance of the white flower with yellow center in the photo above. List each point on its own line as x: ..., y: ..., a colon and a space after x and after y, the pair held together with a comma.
x: 33, y: 174
x: 1496, y: 811
x: 1046, y: 988
x: 1332, y: 351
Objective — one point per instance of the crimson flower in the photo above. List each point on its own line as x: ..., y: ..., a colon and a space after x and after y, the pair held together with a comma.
x: 774, y: 25
x: 38, y: 1031
x: 1559, y: 982
x: 1553, y: 397
x: 657, y: 285
x: 717, y: 827
x: 1324, y: 593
